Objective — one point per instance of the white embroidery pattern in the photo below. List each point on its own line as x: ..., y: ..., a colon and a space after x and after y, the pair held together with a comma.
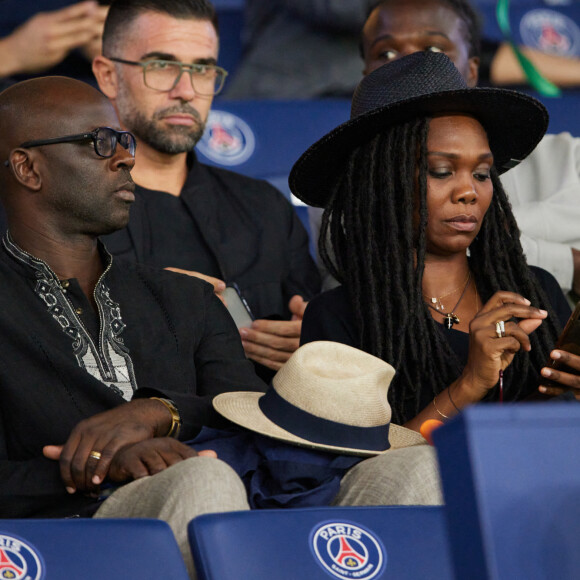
x: 109, y: 361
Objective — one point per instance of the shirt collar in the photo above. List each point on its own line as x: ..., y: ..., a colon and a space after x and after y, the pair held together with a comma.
x: 33, y: 266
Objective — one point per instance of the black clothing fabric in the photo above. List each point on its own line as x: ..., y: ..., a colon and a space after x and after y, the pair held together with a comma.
x: 168, y: 331
x: 254, y: 235
x: 167, y: 243
x: 329, y: 316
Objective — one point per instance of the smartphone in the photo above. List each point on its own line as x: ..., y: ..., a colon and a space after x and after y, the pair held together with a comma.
x: 569, y: 341
x: 238, y: 307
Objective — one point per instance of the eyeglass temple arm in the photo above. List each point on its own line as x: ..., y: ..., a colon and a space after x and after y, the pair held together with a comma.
x: 65, y: 139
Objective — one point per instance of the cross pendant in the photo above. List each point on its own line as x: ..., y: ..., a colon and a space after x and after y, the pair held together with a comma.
x: 450, y: 320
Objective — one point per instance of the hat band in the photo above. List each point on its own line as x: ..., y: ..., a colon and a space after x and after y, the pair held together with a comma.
x: 319, y: 430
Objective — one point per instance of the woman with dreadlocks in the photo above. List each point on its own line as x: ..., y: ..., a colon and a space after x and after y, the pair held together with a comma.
x: 419, y: 231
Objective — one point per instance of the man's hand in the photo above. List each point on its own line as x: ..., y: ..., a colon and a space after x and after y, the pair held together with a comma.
x: 150, y: 457
x: 272, y: 342
x: 218, y: 285
x: 106, y: 433
x: 144, y: 458
x: 45, y: 39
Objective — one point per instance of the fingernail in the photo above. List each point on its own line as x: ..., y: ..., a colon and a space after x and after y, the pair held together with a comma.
x: 542, y: 389
x: 221, y: 286
x: 527, y: 302
x: 70, y: 490
x: 545, y: 312
x: 546, y: 372
x: 96, y: 480
x: 243, y: 332
x: 555, y: 354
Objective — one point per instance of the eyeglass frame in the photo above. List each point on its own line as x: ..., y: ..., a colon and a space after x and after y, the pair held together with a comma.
x: 183, y: 66
x: 81, y: 137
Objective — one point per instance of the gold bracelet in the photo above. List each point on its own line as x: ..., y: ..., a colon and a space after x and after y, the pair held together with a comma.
x: 175, y: 417
x: 438, y: 411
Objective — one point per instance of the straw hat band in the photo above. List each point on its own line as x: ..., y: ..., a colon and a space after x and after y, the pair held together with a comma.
x: 320, y: 430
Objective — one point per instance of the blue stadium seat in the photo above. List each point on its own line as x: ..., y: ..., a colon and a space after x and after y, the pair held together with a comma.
x: 547, y: 25
x: 403, y: 543
x: 86, y: 549
x: 511, y: 481
x: 264, y: 138
x: 564, y: 111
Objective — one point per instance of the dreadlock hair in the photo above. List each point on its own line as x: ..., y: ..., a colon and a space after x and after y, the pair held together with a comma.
x: 373, y: 239
x: 466, y: 13
x: 123, y: 12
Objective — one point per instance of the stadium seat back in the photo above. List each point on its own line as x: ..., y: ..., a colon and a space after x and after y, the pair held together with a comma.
x: 89, y: 549
x: 511, y: 481
x: 317, y: 543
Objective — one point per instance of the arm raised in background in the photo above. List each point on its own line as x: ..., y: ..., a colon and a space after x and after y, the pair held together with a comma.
x: 46, y: 39
x: 505, y: 68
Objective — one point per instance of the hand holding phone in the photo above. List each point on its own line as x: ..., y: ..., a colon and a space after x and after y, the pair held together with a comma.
x: 237, y: 307
x: 569, y: 341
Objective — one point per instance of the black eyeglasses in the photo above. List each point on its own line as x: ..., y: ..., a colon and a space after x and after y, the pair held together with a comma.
x: 104, y: 140
x: 163, y: 75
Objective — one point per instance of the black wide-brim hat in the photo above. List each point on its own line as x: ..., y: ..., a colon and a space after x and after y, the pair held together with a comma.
x: 418, y: 85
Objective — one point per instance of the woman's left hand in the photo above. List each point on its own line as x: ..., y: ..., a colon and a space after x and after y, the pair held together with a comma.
x: 569, y: 381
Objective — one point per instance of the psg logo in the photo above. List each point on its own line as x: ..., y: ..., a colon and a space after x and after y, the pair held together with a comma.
x: 19, y: 560
x: 347, y: 550
x: 550, y: 31
x: 227, y: 140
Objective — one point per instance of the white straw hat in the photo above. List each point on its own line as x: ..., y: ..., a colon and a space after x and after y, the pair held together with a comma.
x: 327, y: 396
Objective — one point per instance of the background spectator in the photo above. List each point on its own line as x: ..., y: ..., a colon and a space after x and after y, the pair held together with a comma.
x: 308, y: 48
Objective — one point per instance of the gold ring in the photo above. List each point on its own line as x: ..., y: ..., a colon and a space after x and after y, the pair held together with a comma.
x: 95, y: 455
x: 500, y: 329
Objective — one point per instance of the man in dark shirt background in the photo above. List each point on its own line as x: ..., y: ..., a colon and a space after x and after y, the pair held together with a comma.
x: 159, y: 68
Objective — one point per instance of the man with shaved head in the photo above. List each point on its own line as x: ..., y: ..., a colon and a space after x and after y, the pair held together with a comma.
x: 105, y: 366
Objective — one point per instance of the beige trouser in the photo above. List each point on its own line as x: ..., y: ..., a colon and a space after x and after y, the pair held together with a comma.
x: 200, y: 485
x: 407, y: 476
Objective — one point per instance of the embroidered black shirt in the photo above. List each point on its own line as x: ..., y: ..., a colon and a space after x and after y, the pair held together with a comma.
x: 156, y: 333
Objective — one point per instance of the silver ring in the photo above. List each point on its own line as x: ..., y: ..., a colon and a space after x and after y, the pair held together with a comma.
x: 500, y: 329
x: 95, y: 455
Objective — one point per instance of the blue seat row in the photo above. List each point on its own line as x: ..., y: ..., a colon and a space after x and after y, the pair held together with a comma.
x: 264, y: 138
x: 511, y: 479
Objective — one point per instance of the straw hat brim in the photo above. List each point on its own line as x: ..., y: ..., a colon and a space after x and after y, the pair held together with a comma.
x: 514, y: 122
x: 242, y: 408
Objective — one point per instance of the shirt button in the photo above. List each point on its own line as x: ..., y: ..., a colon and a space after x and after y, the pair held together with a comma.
x: 79, y: 310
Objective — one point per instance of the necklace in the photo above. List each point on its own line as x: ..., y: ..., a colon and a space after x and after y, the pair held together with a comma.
x: 437, y: 304
x: 450, y: 318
